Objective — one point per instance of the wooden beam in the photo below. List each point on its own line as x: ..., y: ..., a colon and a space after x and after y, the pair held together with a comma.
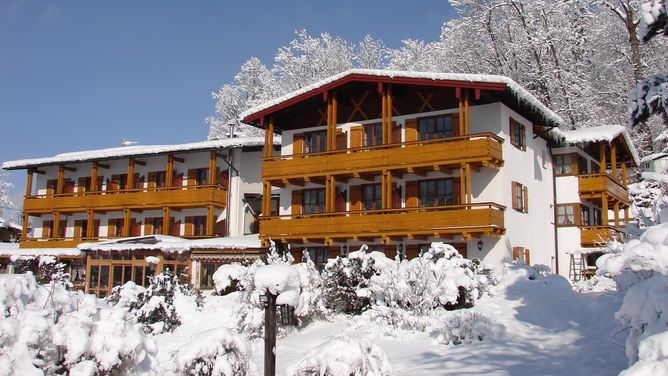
x: 131, y: 174
x: 93, y: 178
x: 383, y: 117
x: 209, y: 220
x: 604, y: 209
x: 467, y: 122
x: 70, y: 169
x: 61, y: 178
x: 140, y: 163
x: 335, y: 110
x: 388, y: 116
x: 425, y: 101
x: 363, y: 176
x: 462, y: 186
x: 212, y: 167
x: 38, y: 171
x: 177, y: 159
x: 266, y: 199
x: 165, y: 220
x: 29, y: 183
x: 103, y: 165
x: 24, y: 225
x: 613, y: 160
x: 461, y: 112
x: 413, y: 171
x: 469, y: 191
x: 315, y: 180
x: 269, y: 139
x: 126, y: 222
x: 56, y: 225
x: 90, y: 223
x: 357, y: 106
x: 624, y: 176
x: 169, y: 170
x: 615, y: 207
x: 601, y: 156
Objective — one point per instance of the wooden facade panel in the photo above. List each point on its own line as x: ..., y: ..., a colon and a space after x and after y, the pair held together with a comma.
x: 592, y: 185
x: 448, y: 152
x: 131, y: 199
x: 426, y: 220
x: 596, y: 235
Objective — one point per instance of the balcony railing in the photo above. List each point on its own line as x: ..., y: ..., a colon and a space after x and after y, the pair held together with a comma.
x: 481, y: 149
x: 592, y: 185
x: 466, y: 220
x: 141, y: 198
x: 593, y: 236
x: 69, y: 242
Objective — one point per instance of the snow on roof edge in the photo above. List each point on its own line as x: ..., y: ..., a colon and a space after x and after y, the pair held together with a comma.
x: 605, y: 133
x: 520, y: 93
x: 136, y: 150
x: 167, y: 243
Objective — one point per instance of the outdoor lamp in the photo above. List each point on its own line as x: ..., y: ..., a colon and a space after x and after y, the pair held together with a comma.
x: 480, y: 244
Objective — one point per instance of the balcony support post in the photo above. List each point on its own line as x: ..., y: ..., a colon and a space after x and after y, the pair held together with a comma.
x: 388, y: 115
x: 616, y: 210
x: 212, y: 167
x: 626, y: 216
x: 604, y: 209
x: 56, y: 225
x: 462, y: 115
x: 601, y: 152
x: 269, y: 138
x: 169, y: 173
x: 90, y: 224
x: 165, y: 220
x: 61, y: 178
x: 467, y: 123
x: 209, y: 220
x: 462, y: 185
x: 330, y: 194
x: 624, y: 176
x: 332, y: 132
x: 126, y: 223
x: 469, y: 194
x: 24, y: 225
x: 29, y: 183
x: 613, y: 160
x: 93, y: 178
x: 386, y: 190
x: 266, y: 199
x: 131, y: 174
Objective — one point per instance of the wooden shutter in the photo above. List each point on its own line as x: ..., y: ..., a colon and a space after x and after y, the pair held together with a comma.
x: 396, y: 134
x: 355, y: 198
x: 527, y: 257
x: 81, y: 184
x: 517, y: 252
x: 412, y: 194
x: 192, y: 173
x: 523, y: 136
x: 396, y: 196
x: 112, y: 183
x: 62, y: 229
x: 175, y: 227
x: 99, y: 183
x: 189, y: 226
x: 513, y: 125
x: 457, y: 192
x: 454, y: 122
x: 222, y: 177
x: 513, y: 190
x: 51, y: 186
x: 296, y: 202
x: 96, y: 228
x: 177, y: 181
x: 341, y: 140
x: 298, y: 144
x: 111, y: 228
x: 356, y: 136
x: 135, y: 227
x: 47, y: 228
x: 148, y: 226
x: 68, y: 186
x: 78, y: 229
x: 525, y: 197
x: 138, y: 181
x: 219, y: 228
x: 411, y: 130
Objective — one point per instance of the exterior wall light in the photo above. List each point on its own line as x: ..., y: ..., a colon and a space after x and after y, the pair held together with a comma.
x: 480, y: 244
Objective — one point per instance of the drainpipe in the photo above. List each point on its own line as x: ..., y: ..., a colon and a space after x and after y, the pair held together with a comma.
x: 554, y: 217
x: 229, y: 161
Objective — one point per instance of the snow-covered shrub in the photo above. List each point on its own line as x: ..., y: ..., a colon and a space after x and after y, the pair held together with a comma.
x: 154, y: 307
x: 125, y: 295
x: 652, y: 357
x: 217, y: 352
x: 228, y: 278
x: 465, y: 326
x: 346, y: 282
x: 49, y: 330
x: 644, y: 312
x: 343, y: 356
x: 647, y: 200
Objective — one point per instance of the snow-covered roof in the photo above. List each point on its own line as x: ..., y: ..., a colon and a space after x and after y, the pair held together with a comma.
x: 13, y: 250
x: 654, y: 156
x: 167, y: 243
x: 602, y: 133
x: 6, y: 223
x: 137, y: 150
x: 518, y: 91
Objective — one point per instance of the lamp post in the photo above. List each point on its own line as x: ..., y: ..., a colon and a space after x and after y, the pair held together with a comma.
x: 269, y: 301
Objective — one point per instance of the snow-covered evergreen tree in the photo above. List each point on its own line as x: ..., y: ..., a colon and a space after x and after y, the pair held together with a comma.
x: 5, y: 194
x: 154, y: 307
x: 371, y: 53
x: 346, y: 281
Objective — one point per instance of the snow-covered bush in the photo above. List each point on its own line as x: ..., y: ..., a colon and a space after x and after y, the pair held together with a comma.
x: 343, y: 356
x: 49, y: 330
x: 465, y: 326
x: 652, y: 357
x: 228, y: 278
x: 346, y: 282
x: 217, y: 352
x: 125, y: 295
x: 155, y: 308
x: 648, y: 198
x: 644, y: 312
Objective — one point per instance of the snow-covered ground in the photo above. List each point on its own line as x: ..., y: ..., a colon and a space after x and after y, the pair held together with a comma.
x: 550, y: 330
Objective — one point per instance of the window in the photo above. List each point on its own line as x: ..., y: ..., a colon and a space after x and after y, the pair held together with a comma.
x: 598, y: 219
x: 520, y: 197
x: 315, y: 142
x: 153, y: 226
x: 373, y: 134
x: 319, y: 257
x: 584, y: 216
x: 521, y: 254
x: 564, y: 164
x: 567, y: 215
x: 160, y: 179
x: 313, y: 201
x: 436, y: 192
x: 517, y: 134
x: 206, y: 274
x: 435, y: 127
x: 583, y: 165
x: 372, y: 196
x: 115, y: 227
x: 199, y: 224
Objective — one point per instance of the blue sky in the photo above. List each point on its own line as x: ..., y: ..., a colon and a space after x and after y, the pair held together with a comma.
x: 77, y: 75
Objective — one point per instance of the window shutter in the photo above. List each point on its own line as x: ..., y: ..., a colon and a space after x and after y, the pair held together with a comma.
x: 96, y: 228
x: 525, y: 197
x: 175, y: 227
x: 412, y: 194
x: 177, y: 181
x: 135, y: 227
x: 98, y: 183
x: 62, y: 229
x: 298, y: 144
x: 456, y: 192
x: 341, y: 140
x: 222, y: 178
x: 396, y: 133
x: 340, y: 202
x: 189, y: 226
x: 111, y: 228
x: 151, y: 179
x: 523, y: 137
x: 148, y: 226
x: 219, y: 228
x: 138, y: 181
x: 517, y: 252
x: 356, y: 198
x: 455, y: 124
x: 296, y: 202
x: 527, y: 257
x: 356, y: 136
x: 81, y: 185
x: 396, y: 196
x: 47, y: 227
x: 513, y: 125
x: 192, y: 173
x: 68, y: 186
x: 411, y: 130
x: 513, y: 194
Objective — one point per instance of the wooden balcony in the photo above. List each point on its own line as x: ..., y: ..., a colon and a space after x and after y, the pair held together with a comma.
x: 482, y: 149
x: 136, y: 199
x: 53, y: 242
x: 594, y: 236
x: 468, y: 221
x: 591, y: 186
